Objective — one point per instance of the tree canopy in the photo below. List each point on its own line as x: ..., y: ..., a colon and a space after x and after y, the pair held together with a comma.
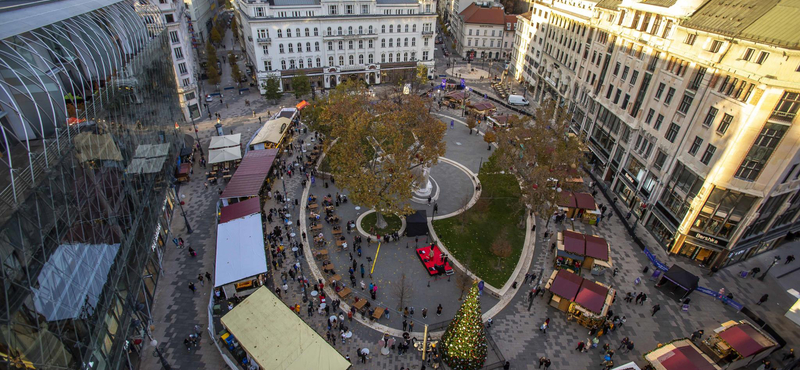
x: 380, y: 144
x: 272, y: 89
x: 301, y: 85
x: 544, y: 155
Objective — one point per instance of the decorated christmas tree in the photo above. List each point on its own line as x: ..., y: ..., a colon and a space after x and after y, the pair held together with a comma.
x: 463, y: 345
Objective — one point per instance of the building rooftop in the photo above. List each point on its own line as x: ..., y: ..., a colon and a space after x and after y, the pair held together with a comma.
x: 477, y: 14
x: 662, y: 3
x: 609, y: 4
x: 511, y: 20
x: 18, y: 17
x: 526, y: 15
x: 768, y: 21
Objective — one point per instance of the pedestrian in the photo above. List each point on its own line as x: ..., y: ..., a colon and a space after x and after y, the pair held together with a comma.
x: 546, y: 363
x: 363, y: 286
x: 788, y: 355
x: 411, y: 325
x: 405, y: 325
x: 623, y: 343
x: 789, y: 259
x: 655, y: 309
x: 580, y: 346
x: 629, y: 347
x: 180, y: 242
x: 506, y: 365
x: 763, y: 299
x: 405, y: 312
x: 191, y: 286
x: 696, y: 335
x: 644, y: 298
x: 541, y: 361
x: 200, y: 279
x: 424, y: 313
x: 362, y: 265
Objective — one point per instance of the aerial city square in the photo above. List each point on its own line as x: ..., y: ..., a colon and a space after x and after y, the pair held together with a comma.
x: 400, y: 184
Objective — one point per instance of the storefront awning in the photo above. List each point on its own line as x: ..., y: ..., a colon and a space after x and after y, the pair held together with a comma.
x: 276, y: 338
x: 746, y: 340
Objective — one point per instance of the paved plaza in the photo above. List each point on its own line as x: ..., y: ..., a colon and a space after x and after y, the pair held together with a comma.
x: 176, y: 309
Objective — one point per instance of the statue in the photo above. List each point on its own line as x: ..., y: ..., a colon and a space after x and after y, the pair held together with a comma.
x: 422, y: 182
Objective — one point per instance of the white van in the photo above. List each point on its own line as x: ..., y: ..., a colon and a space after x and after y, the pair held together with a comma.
x: 517, y: 100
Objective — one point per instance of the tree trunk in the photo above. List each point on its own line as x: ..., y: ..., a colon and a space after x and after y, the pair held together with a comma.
x: 380, y: 223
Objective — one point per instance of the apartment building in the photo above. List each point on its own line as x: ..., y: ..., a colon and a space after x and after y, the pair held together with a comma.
x: 201, y: 14
x: 177, y: 20
x: 688, y: 119
x: 374, y: 41
x: 481, y: 28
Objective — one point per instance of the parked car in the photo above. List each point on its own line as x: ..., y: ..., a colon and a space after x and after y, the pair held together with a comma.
x: 209, y: 98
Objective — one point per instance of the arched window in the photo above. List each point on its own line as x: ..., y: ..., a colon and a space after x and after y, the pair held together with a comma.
x: 329, y: 32
x: 316, y: 31
x: 390, y: 57
x: 350, y: 45
x: 289, y: 34
x: 414, y: 28
x: 391, y: 43
x: 383, y: 43
x: 398, y: 57
x: 340, y: 30
x: 308, y: 33
x: 351, y: 60
x: 319, y: 62
x: 413, y: 56
x: 341, y: 60
x: 405, y: 57
x: 370, y: 44
x: 341, y: 45
x: 360, y: 44
x: 310, y: 65
x: 330, y: 45
x: 299, y: 47
x: 361, y: 59
x: 413, y: 41
x: 330, y: 61
x: 291, y: 64
x: 350, y: 30
x: 369, y: 59
x: 391, y: 28
x: 383, y: 58
x: 398, y: 43
x: 360, y: 30
x: 308, y: 46
x: 370, y: 30
x: 297, y: 31
x: 405, y: 42
x: 280, y: 48
x: 383, y: 29
x: 316, y: 46
x: 291, y: 48
x: 283, y: 64
x: 280, y: 33
x: 406, y: 28
x: 300, y: 63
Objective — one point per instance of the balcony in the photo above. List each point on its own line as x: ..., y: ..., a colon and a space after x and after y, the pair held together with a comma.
x: 427, y: 33
x: 264, y: 40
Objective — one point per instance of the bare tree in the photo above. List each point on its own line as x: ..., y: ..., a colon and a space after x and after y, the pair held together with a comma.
x: 402, y: 292
x: 463, y: 282
x: 501, y: 248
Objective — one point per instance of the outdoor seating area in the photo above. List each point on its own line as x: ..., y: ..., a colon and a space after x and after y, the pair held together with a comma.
x: 583, y: 300
x: 576, y: 251
x: 435, y: 262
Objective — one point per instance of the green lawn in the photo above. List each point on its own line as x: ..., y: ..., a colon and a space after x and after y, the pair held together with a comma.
x: 393, y: 221
x: 497, y: 214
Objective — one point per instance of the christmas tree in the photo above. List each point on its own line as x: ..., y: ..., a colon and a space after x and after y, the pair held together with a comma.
x: 463, y: 345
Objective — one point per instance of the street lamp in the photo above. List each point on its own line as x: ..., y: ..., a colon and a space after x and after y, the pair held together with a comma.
x: 194, y: 125
x: 774, y: 261
x: 185, y: 220
x: 164, y: 363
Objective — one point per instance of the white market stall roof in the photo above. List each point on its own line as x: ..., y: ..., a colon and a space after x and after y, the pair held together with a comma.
x: 272, y: 131
x: 224, y: 154
x: 225, y: 141
x: 276, y: 338
x: 96, y: 147
x: 240, y: 250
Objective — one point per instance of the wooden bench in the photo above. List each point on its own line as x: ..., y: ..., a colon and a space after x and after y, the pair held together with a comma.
x: 345, y: 292
x: 339, y: 242
x: 360, y: 304
x: 328, y: 266
x: 335, y: 278
x: 313, y: 206
x: 378, y: 313
x: 316, y: 228
x: 322, y: 253
x: 337, y: 232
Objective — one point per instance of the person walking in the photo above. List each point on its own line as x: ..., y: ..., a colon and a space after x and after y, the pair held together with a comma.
x: 644, y: 299
x: 789, y: 259
x: 763, y: 299
x: 200, y: 279
x: 405, y: 325
x: 541, y: 361
x: 629, y: 347
x: 696, y: 335
x: 362, y: 265
x: 623, y: 343
x: 191, y: 286
x: 439, y: 310
x: 655, y: 309
x: 411, y: 325
x: 547, y: 363
x: 580, y: 347
x: 208, y: 277
x: 425, y: 313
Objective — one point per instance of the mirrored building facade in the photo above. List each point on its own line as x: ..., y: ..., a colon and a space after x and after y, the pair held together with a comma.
x: 88, y: 140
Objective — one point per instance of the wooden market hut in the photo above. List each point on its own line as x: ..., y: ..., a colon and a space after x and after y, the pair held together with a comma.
x: 579, y: 205
x: 739, y: 344
x: 576, y: 251
x: 583, y: 300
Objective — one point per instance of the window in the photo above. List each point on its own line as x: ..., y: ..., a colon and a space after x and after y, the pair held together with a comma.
x: 289, y: 33
x: 659, y: 121
x: 625, y: 101
x: 360, y: 30
x: 186, y: 82
x: 617, y: 95
x: 332, y: 10
x: 316, y: 46
x: 625, y: 73
x: 370, y: 59
x: 762, y: 57
x: 610, y: 91
x: 316, y: 31
x: 339, y: 31
x: 616, y: 69
x: 360, y: 44
x: 405, y: 42
x: 425, y: 54
x: 291, y: 48
x: 267, y: 65
x: 283, y: 64
x: 391, y: 43
x: 330, y: 45
x: 762, y: 149
x: 330, y: 61
x: 391, y: 28
x: 725, y: 123
x: 341, y: 60
x: 710, y: 116
x: 182, y: 68
x: 413, y: 41
x: 470, y: 32
x: 350, y: 30
x: 383, y: 43
x: 672, y: 132
x: 291, y: 64
x: 173, y: 36
x: 383, y: 29
x: 341, y: 45
x: 308, y: 46
x: 364, y: 9
x: 370, y: 30
x: 406, y: 28
x: 348, y: 9
x: 748, y: 54
x: 686, y: 103
x: 670, y: 95
x: 660, y: 90
x: 690, y: 38
x: 383, y: 58
x: 178, y: 53
x: 414, y: 28
x: 300, y: 63
x: 706, y: 158
x: 634, y: 76
x: 259, y: 12
x: 715, y: 46
x: 661, y: 158
x: 787, y: 107
x: 319, y: 62
x: 350, y: 45
x: 351, y: 59
x: 650, y: 115
x: 695, y: 145
x: 390, y: 57
x: 405, y: 57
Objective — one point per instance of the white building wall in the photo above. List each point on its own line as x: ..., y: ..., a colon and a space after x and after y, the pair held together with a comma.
x: 183, y: 57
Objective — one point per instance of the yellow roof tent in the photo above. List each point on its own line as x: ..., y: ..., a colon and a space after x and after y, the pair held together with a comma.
x: 276, y: 338
x: 272, y: 131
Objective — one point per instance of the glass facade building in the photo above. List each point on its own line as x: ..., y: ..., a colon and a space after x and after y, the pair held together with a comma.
x: 88, y: 146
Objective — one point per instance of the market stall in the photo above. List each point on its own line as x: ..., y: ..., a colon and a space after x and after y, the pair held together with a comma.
x: 680, y: 278
x: 241, y: 261
x: 239, y: 210
x: 182, y: 173
x: 264, y: 332
x: 585, y: 301
x: 484, y: 108
x: 455, y: 98
x: 223, y: 155
x: 739, y: 344
x: 681, y: 354
x: 271, y: 134
x: 249, y: 179
x: 576, y: 251
x: 501, y: 119
x: 417, y: 223
x: 225, y: 141
x: 579, y: 206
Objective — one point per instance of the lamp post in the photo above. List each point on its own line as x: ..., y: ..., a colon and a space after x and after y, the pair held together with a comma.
x: 774, y: 261
x: 185, y: 220
x: 194, y: 125
x: 164, y: 363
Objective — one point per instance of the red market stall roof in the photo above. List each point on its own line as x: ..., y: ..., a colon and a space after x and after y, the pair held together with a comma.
x: 567, y: 200
x: 184, y: 168
x: 585, y: 201
x: 574, y: 243
x: 301, y: 105
x: 458, y: 95
x: 746, y: 340
x: 250, y: 176
x: 680, y: 355
x: 596, y: 247
x: 591, y: 296
x: 566, y: 284
x: 483, y: 106
x: 239, y: 210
